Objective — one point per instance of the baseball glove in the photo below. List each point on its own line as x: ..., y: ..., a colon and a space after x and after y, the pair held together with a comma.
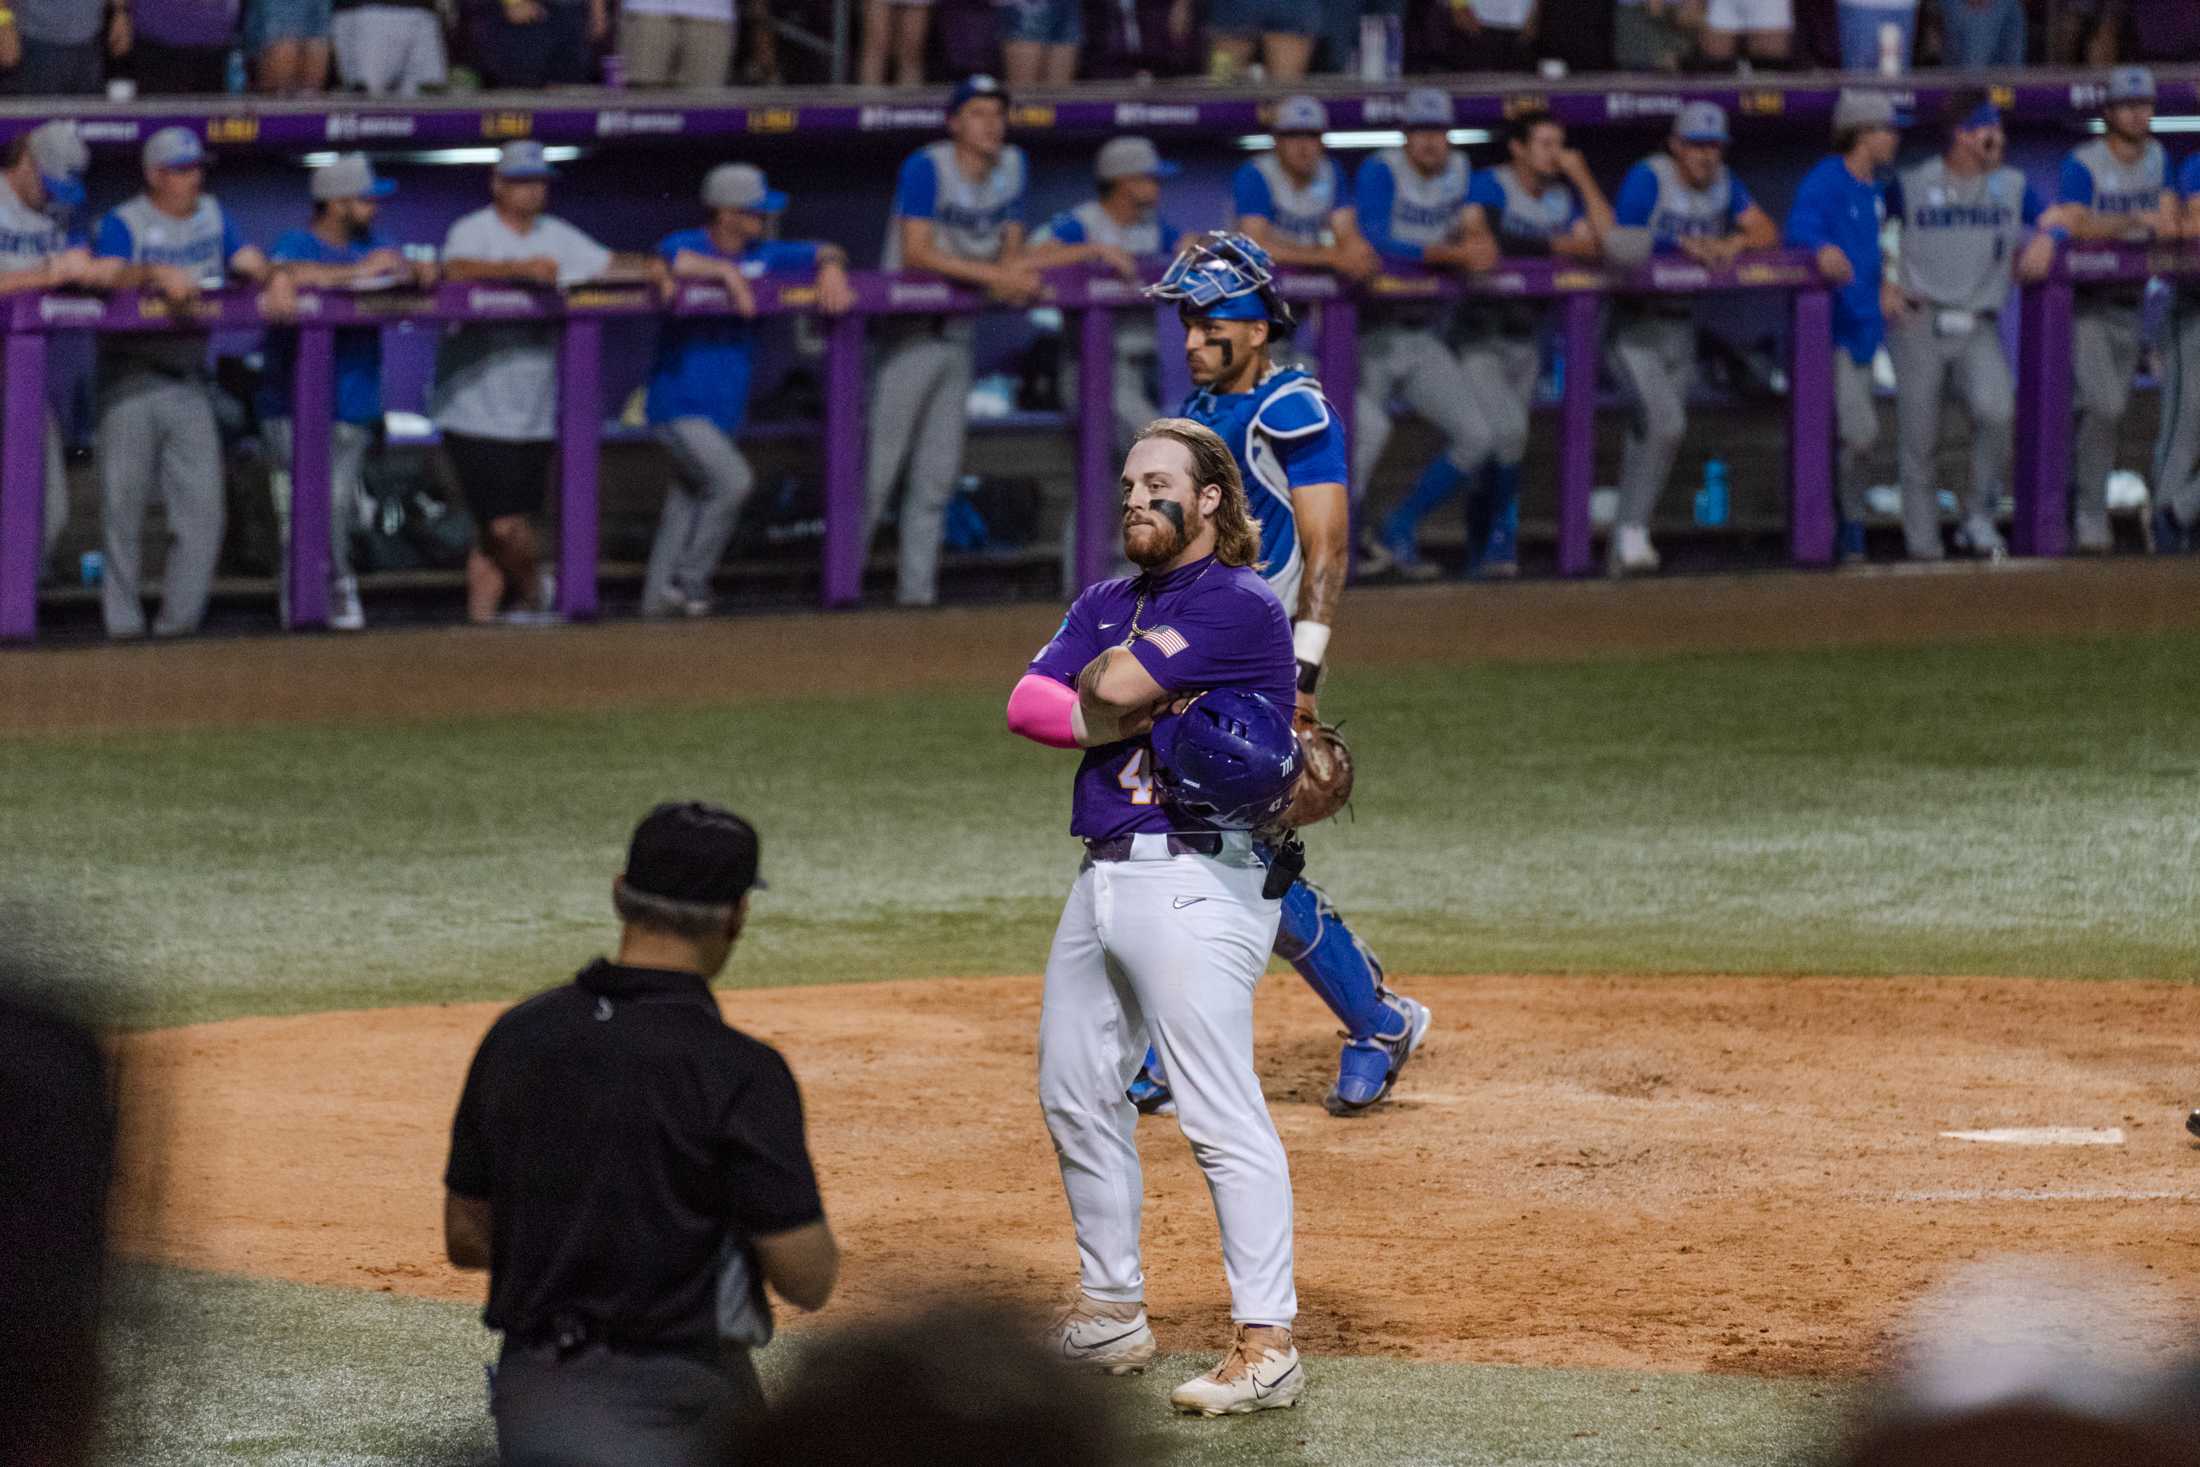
x: 1326, y: 785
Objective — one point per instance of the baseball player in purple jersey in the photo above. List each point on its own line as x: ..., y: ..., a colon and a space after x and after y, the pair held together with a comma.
x: 1169, y: 923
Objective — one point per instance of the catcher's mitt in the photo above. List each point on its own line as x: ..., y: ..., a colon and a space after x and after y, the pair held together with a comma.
x: 1326, y: 785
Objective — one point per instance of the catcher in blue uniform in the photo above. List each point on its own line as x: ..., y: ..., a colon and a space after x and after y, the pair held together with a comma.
x: 1290, y: 449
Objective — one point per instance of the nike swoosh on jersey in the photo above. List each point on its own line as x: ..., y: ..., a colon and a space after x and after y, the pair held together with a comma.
x: 1182, y: 902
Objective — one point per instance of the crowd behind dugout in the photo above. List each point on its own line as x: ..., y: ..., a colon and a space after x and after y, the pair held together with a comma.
x: 1968, y: 228
x: 125, y: 48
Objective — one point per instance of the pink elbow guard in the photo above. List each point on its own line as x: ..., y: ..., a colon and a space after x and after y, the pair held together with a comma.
x: 1041, y: 710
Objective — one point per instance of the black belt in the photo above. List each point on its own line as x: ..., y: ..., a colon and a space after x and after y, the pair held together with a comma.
x: 1118, y: 847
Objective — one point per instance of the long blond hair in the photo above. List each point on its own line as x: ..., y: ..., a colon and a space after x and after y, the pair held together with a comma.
x: 1237, y: 533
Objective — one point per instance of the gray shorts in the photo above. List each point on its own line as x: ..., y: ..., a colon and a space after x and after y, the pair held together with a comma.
x: 389, y: 50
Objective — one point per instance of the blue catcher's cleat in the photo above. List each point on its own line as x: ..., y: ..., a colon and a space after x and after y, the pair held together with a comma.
x: 1848, y: 543
x: 1150, y: 1090
x: 1368, y: 1068
x: 2169, y: 534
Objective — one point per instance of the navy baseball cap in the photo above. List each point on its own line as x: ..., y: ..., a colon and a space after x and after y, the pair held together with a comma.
x: 971, y: 88
x: 690, y: 851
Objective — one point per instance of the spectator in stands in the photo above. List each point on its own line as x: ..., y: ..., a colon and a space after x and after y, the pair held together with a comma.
x: 1682, y: 201
x: 1040, y: 40
x: 958, y: 213
x: 1981, y: 33
x: 1764, y: 30
x: 1867, y: 44
x: 41, y: 187
x: 1284, y: 31
x: 1836, y: 214
x: 496, y: 388
x: 1293, y: 202
x: 894, y: 30
x: 676, y: 43
x: 1654, y: 35
x: 1500, y: 33
x: 52, y: 48
x: 288, y: 40
x: 699, y: 388
x: 342, y: 248
x: 531, y: 44
x: 176, y: 47
x: 156, y: 416
x: 2165, y: 30
x: 1411, y: 202
x: 1116, y: 230
x: 389, y: 48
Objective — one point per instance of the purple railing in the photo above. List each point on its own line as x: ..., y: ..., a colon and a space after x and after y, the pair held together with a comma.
x: 1093, y: 299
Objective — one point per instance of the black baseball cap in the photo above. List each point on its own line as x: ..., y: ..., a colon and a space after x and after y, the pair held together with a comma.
x: 690, y: 851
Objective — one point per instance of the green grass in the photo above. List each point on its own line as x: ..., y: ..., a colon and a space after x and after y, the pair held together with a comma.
x: 2022, y: 808
x: 362, y: 1380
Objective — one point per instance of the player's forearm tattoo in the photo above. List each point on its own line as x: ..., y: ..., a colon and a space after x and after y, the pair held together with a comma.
x: 1322, y: 591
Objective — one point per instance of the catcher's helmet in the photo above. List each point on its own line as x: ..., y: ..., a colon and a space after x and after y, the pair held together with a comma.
x: 1225, y: 275
x: 1229, y: 759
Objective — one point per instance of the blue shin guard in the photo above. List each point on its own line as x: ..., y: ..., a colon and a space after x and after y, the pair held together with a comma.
x: 1497, y: 548
x: 1312, y: 938
x: 1437, y: 484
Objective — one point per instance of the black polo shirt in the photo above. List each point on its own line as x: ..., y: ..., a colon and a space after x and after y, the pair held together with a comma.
x: 618, y: 1127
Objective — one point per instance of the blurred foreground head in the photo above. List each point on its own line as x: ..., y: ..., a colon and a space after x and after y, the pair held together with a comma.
x: 955, y: 1384
x: 2035, y: 1364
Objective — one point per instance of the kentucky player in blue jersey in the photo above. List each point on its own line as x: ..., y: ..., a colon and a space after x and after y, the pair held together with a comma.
x: 1290, y: 451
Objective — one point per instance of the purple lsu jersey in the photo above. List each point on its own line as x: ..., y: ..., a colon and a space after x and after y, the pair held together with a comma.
x: 1201, y: 626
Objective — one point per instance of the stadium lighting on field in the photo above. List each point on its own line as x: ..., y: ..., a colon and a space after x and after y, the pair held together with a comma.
x: 1465, y: 137
x: 453, y: 157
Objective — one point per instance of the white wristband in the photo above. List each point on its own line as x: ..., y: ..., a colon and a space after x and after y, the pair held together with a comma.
x: 1310, y: 641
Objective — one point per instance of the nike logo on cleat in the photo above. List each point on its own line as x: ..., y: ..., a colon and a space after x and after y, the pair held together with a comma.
x: 1073, y: 1348
x: 1263, y: 1389
x: 1182, y: 902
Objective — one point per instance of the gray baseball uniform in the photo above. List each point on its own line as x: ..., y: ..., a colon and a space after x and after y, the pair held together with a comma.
x: 1403, y: 211
x: 1498, y: 345
x: 2105, y: 346
x: 1136, y: 341
x: 1960, y: 236
x: 1297, y: 213
x: 919, y: 411
x: 1653, y: 348
x: 156, y: 426
x: 28, y: 239
x: 2177, y: 444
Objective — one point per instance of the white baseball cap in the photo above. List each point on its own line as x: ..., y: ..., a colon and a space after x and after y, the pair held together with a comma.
x: 741, y: 186
x: 350, y: 177
x: 1130, y: 157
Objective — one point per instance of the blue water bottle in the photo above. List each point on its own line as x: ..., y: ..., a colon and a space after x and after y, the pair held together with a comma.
x: 1711, y: 498
x: 233, y: 78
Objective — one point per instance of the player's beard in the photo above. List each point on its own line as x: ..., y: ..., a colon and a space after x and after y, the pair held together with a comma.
x: 1164, y: 537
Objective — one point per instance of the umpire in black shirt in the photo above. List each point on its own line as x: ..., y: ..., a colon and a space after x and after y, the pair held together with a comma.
x: 616, y: 1144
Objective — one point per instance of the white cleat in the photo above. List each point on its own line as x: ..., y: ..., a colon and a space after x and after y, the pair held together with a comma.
x: 1632, y: 553
x: 1978, y: 538
x: 1252, y: 1377
x: 345, y: 614
x: 1092, y: 1340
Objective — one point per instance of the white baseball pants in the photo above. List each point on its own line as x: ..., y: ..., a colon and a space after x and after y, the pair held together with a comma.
x: 1168, y: 947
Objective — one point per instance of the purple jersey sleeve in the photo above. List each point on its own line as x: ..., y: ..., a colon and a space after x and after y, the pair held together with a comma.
x: 1075, y: 644
x: 1212, y: 641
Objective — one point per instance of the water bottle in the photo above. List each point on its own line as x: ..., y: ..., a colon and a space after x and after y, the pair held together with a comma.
x: 1891, y: 60
x: 233, y: 77
x: 92, y: 566
x: 1711, y: 498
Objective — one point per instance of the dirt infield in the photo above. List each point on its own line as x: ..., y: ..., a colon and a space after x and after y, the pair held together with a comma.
x: 1740, y: 1175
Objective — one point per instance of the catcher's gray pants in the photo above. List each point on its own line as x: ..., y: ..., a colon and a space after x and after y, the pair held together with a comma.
x: 1502, y: 371
x: 1655, y: 358
x: 1856, y: 426
x: 711, y: 480
x: 2105, y: 354
x: 606, y: 1408
x: 1412, y: 363
x: 347, y: 484
x: 1926, y: 362
x: 2177, y: 442
x: 157, y: 433
x: 920, y: 406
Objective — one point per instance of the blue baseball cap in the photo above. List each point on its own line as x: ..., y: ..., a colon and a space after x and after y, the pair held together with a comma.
x: 1427, y: 107
x: 1300, y: 114
x: 1231, y: 308
x: 971, y: 88
x: 1701, y: 122
x: 174, y: 147
x: 522, y: 161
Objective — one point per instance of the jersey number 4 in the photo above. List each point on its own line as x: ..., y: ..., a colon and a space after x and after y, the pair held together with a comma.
x: 1137, y: 777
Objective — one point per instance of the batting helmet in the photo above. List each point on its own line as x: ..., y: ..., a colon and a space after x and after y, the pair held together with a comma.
x: 1225, y: 275
x: 1229, y: 759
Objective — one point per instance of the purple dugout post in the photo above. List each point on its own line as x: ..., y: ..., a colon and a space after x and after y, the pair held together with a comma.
x: 844, y: 510
x: 1173, y: 374
x: 1337, y: 363
x: 580, y: 429
x: 2043, y: 419
x: 313, y: 402
x: 22, y: 484
x: 1577, y: 430
x: 1810, y: 427
x: 1097, y: 469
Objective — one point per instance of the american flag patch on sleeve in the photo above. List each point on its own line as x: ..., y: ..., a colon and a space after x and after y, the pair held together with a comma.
x: 1168, y: 639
